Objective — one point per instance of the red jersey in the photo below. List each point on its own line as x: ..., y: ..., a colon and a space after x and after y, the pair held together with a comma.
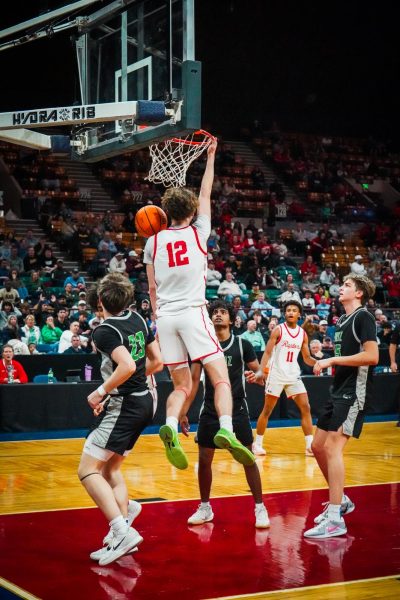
x: 18, y: 372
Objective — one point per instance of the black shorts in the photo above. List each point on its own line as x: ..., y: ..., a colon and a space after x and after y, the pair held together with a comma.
x: 343, y: 411
x: 209, y: 425
x: 118, y: 427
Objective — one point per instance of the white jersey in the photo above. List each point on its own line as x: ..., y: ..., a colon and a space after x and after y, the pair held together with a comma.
x: 179, y: 258
x: 284, y: 365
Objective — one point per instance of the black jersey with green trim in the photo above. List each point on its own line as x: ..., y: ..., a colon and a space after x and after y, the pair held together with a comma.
x: 129, y: 330
x: 237, y: 353
x: 351, y: 332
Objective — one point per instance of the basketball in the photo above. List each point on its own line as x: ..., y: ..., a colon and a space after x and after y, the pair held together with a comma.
x: 150, y: 220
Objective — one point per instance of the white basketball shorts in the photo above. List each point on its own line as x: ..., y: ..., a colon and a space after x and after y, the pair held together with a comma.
x: 275, y: 386
x: 188, y: 333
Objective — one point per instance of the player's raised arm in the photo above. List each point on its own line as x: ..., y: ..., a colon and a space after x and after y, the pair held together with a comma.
x: 207, y: 182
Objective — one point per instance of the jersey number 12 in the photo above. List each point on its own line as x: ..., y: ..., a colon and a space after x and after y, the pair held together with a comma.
x: 177, y: 254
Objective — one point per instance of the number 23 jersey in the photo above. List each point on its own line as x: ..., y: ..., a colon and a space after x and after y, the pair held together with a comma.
x: 179, y: 258
x: 284, y: 365
x: 129, y: 330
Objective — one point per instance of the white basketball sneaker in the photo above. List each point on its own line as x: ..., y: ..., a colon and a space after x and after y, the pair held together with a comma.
x: 262, y: 519
x: 134, y: 510
x: 203, y: 514
x: 258, y: 450
x: 346, y: 508
x: 120, y: 545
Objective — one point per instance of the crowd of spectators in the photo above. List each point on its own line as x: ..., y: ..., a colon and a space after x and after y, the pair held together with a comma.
x: 256, y: 267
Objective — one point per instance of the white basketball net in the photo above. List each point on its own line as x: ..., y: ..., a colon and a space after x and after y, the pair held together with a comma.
x: 172, y: 158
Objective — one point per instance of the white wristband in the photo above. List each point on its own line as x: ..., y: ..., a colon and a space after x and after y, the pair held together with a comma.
x: 101, y: 391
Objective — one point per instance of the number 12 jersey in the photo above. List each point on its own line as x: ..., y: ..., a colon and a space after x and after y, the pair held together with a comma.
x: 179, y: 258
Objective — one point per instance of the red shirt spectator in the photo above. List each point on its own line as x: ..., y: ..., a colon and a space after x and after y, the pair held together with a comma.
x: 393, y: 287
x: 10, y: 368
x: 308, y: 266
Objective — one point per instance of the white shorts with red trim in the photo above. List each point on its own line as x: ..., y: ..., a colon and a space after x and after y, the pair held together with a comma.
x: 274, y: 387
x: 189, y: 333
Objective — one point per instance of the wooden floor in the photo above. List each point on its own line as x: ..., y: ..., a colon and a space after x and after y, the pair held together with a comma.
x: 41, y: 476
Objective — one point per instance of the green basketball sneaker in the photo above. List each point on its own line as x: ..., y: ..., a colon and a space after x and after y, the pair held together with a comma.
x: 227, y: 440
x: 173, y: 448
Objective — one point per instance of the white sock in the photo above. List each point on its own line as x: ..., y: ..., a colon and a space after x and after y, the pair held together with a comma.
x: 119, y: 526
x: 309, y: 439
x: 334, y: 512
x: 225, y: 422
x: 260, y: 505
x: 172, y: 422
x: 259, y: 440
x: 205, y: 505
x: 131, y: 507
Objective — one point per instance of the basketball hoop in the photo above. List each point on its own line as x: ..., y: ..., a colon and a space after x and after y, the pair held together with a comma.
x: 172, y: 158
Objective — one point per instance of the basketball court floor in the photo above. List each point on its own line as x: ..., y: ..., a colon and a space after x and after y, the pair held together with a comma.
x: 48, y: 525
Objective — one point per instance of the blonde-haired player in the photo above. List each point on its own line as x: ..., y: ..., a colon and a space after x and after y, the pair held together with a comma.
x: 176, y: 260
x: 280, y: 362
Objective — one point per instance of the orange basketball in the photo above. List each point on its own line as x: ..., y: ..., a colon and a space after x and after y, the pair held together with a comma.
x: 150, y: 220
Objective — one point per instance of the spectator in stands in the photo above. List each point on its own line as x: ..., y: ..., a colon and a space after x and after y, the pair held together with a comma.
x: 75, y: 347
x: 239, y: 325
x: 50, y: 333
x: 321, y: 331
x: 323, y: 308
x: 48, y: 261
x: 11, y: 371
x: 106, y: 239
x: 309, y: 266
x: 290, y: 294
x: 299, y: 236
x: 289, y: 280
x: 31, y: 260
x: 133, y: 264
x: 28, y: 241
x: 5, y: 250
x: 99, y: 265
x: 308, y: 301
x: 6, y: 310
x: 59, y: 274
x: 15, y: 260
x: 32, y: 349
x: 17, y: 284
x: 129, y: 223
x: 316, y: 352
x: 229, y: 288
x: 12, y: 330
x: 66, y: 338
x: 261, y: 324
x: 260, y: 304
x: 334, y: 288
x: 80, y: 241
x: 117, y: 263
x: 30, y: 332
x: 9, y: 293
x: 236, y: 245
x: 76, y: 280
x: 308, y: 283
x: 232, y: 264
x: 4, y: 271
x: 238, y: 308
x: 357, y: 266
x: 393, y: 288
x: 321, y: 291
x: 70, y: 294
x: 385, y: 334
x: 327, y: 346
x: 62, y: 319
x: 327, y: 276
x: 120, y: 246
x: 318, y: 245
x: 34, y: 284
x: 254, y: 337
x: 258, y: 178
x: 213, y: 276
x: 255, y: 291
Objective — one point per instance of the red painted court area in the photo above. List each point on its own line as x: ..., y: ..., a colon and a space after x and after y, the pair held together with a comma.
x: 46, y: 554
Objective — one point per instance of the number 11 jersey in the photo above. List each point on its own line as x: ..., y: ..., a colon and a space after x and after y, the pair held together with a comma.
x: 284, y: 366
x: 179, y: 258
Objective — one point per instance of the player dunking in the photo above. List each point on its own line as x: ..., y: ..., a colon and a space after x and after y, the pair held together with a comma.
x: 280, y: 357
x: 124, y: 406
x: 239, y: 354
x: 176, y: 269
x: 356, y: 351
